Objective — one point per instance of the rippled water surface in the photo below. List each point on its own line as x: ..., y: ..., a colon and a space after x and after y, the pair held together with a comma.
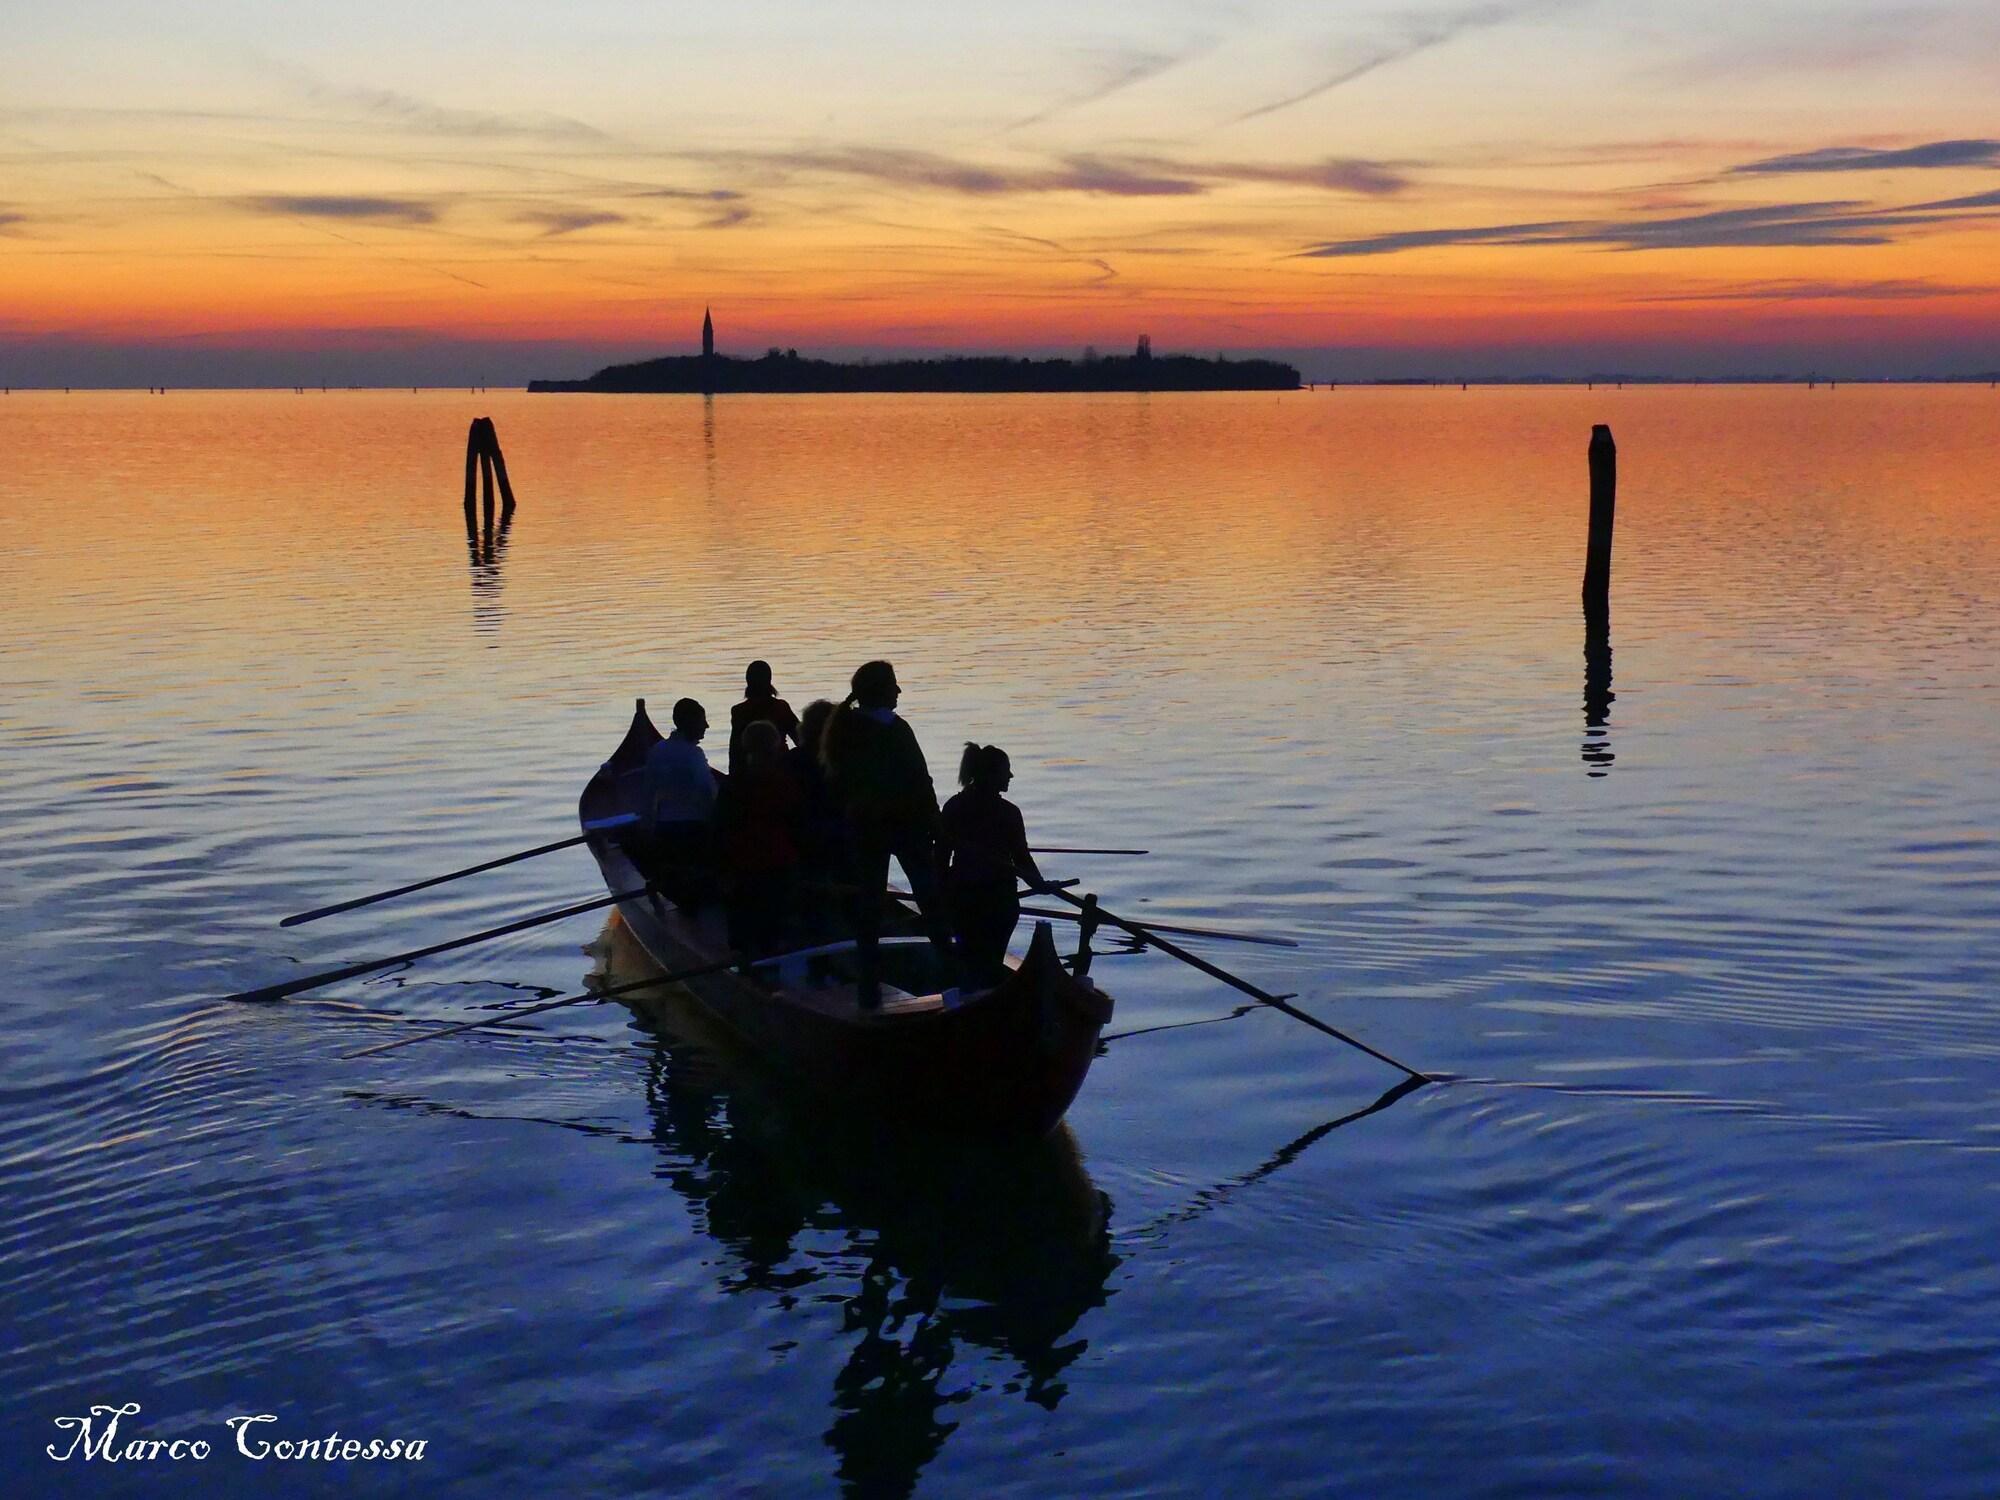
x: 1708, y: 1204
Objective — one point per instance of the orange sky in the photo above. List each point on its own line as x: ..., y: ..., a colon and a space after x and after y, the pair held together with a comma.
x: 1559, y: 185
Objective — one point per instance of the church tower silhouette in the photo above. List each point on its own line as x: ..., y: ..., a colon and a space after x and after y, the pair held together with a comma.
x: 707, y: 335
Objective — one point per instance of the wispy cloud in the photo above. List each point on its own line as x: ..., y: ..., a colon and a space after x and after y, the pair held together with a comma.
x: 1342, y: 174
x: 332, y: 206
x: 392, y: 107
x: 1126, y: 70
x: 1110, y: 175
x: 692, y: 195
x: 908, y: 168
x: 1829, y: 223
x: 570, y: 221
x: 1975, y: 200
x: 8, y: 221
x: 1906, y: 290
x: 1967, y: 153
x: 1408, y: 37
x: 730, y: 217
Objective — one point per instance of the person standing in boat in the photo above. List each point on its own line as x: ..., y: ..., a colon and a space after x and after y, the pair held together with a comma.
x: 681, y: 791
x: 756, y: 834
x: 822, y: 830
x: 984, y: 850
x: 761, y: 705
x: 883, y: 786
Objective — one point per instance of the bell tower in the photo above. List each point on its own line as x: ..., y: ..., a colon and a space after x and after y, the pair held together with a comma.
x: 707, y: 335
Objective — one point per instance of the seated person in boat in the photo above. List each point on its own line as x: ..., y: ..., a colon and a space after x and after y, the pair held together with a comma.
x: 756, y: 832
x: 984, y: 849
x: 883, y: 787
x: 761, y: 705
x: 681, y: 792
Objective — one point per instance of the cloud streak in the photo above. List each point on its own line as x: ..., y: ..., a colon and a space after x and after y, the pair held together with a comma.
x: 560, y: 221
x: 1118, y: 176
x: 1907, y: 290
x: 1833, y: 222
x: 1128, y: 72
x: 406, y: 111
x: 1965, y: 153
x: 1415, y: 35
x: 331, y: 206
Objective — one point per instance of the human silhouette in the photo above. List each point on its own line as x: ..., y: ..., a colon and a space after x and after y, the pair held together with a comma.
x: 822, y: 831
x: 883, y: 787
x: 984, y: 851
x: 756, y: 828
x: 761, y: 704
x: 681, y: 800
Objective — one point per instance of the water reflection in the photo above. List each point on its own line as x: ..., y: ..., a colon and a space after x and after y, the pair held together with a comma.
x: 943, y: 1250
x: 1597, y: 694
x: 487, y: 549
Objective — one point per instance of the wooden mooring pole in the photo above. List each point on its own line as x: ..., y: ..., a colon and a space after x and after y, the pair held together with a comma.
x: 484, y: 459
x: 1603, y: 507
x: 1597, y: 694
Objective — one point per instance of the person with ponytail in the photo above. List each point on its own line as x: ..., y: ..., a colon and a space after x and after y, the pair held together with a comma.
x: 882, y: 784
x: 984, y: 848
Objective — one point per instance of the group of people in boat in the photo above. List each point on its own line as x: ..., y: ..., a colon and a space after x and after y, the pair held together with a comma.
x: 794, y: 839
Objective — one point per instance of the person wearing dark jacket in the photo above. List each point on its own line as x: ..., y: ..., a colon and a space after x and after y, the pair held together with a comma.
x: 882, y: 784
x: 756, y: 834
x: 984, y: 850
x: 761, y: 705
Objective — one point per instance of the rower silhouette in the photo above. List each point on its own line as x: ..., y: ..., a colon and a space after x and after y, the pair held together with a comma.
x: 883, y: 787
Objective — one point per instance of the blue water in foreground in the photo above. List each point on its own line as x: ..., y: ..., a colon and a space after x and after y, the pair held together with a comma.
x: 1708, y: 1205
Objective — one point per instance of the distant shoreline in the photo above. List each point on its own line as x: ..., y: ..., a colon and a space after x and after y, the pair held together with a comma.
x: 787, y: 373
x: 1316, y: 387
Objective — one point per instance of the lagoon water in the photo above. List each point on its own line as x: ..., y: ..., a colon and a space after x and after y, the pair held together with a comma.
x: 1708, y: 1205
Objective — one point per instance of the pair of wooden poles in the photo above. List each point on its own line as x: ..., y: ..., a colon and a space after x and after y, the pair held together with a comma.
x: 484, y: 459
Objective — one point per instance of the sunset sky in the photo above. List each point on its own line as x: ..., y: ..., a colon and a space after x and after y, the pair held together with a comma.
x: 374, y: 193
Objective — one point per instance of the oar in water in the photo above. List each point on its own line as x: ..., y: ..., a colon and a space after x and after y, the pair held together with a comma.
x: 492, y: 864
x: 1052, y: 849
x: 1276, y: 1002
x: 1217, y: 933
x: 331, y: 976
x: 535, y: 1010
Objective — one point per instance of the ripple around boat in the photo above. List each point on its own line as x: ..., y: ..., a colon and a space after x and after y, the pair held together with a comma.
x: 1005, y: 1060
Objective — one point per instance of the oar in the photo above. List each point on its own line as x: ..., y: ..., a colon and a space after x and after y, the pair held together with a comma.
x: 1219, y: 935
x: 1052, y: 849
x: 331, y: 976
x: 492, y: 864
x: 1277, y: 1002
x: 537, y: 1011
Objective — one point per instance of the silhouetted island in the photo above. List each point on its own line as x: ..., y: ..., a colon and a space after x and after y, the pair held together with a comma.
x: 784, y: 370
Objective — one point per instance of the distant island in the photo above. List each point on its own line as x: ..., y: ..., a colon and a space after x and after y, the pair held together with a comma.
x: 784, y: 370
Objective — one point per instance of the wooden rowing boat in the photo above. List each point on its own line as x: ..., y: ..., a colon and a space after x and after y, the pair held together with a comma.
x: 1001, y: 1061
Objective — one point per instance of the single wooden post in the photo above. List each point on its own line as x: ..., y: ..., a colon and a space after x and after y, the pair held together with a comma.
x: 471, y: 468
x: 486, y: 488
x: 1603, y: 506
x: 500, y: 469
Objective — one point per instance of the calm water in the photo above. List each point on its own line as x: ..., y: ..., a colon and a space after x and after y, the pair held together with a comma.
x: 1709, y: 1207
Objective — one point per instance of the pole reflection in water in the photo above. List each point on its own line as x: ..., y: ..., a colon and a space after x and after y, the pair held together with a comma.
x: 967, y: 1248
x: 487, y: 548
x: 1597, y: 694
